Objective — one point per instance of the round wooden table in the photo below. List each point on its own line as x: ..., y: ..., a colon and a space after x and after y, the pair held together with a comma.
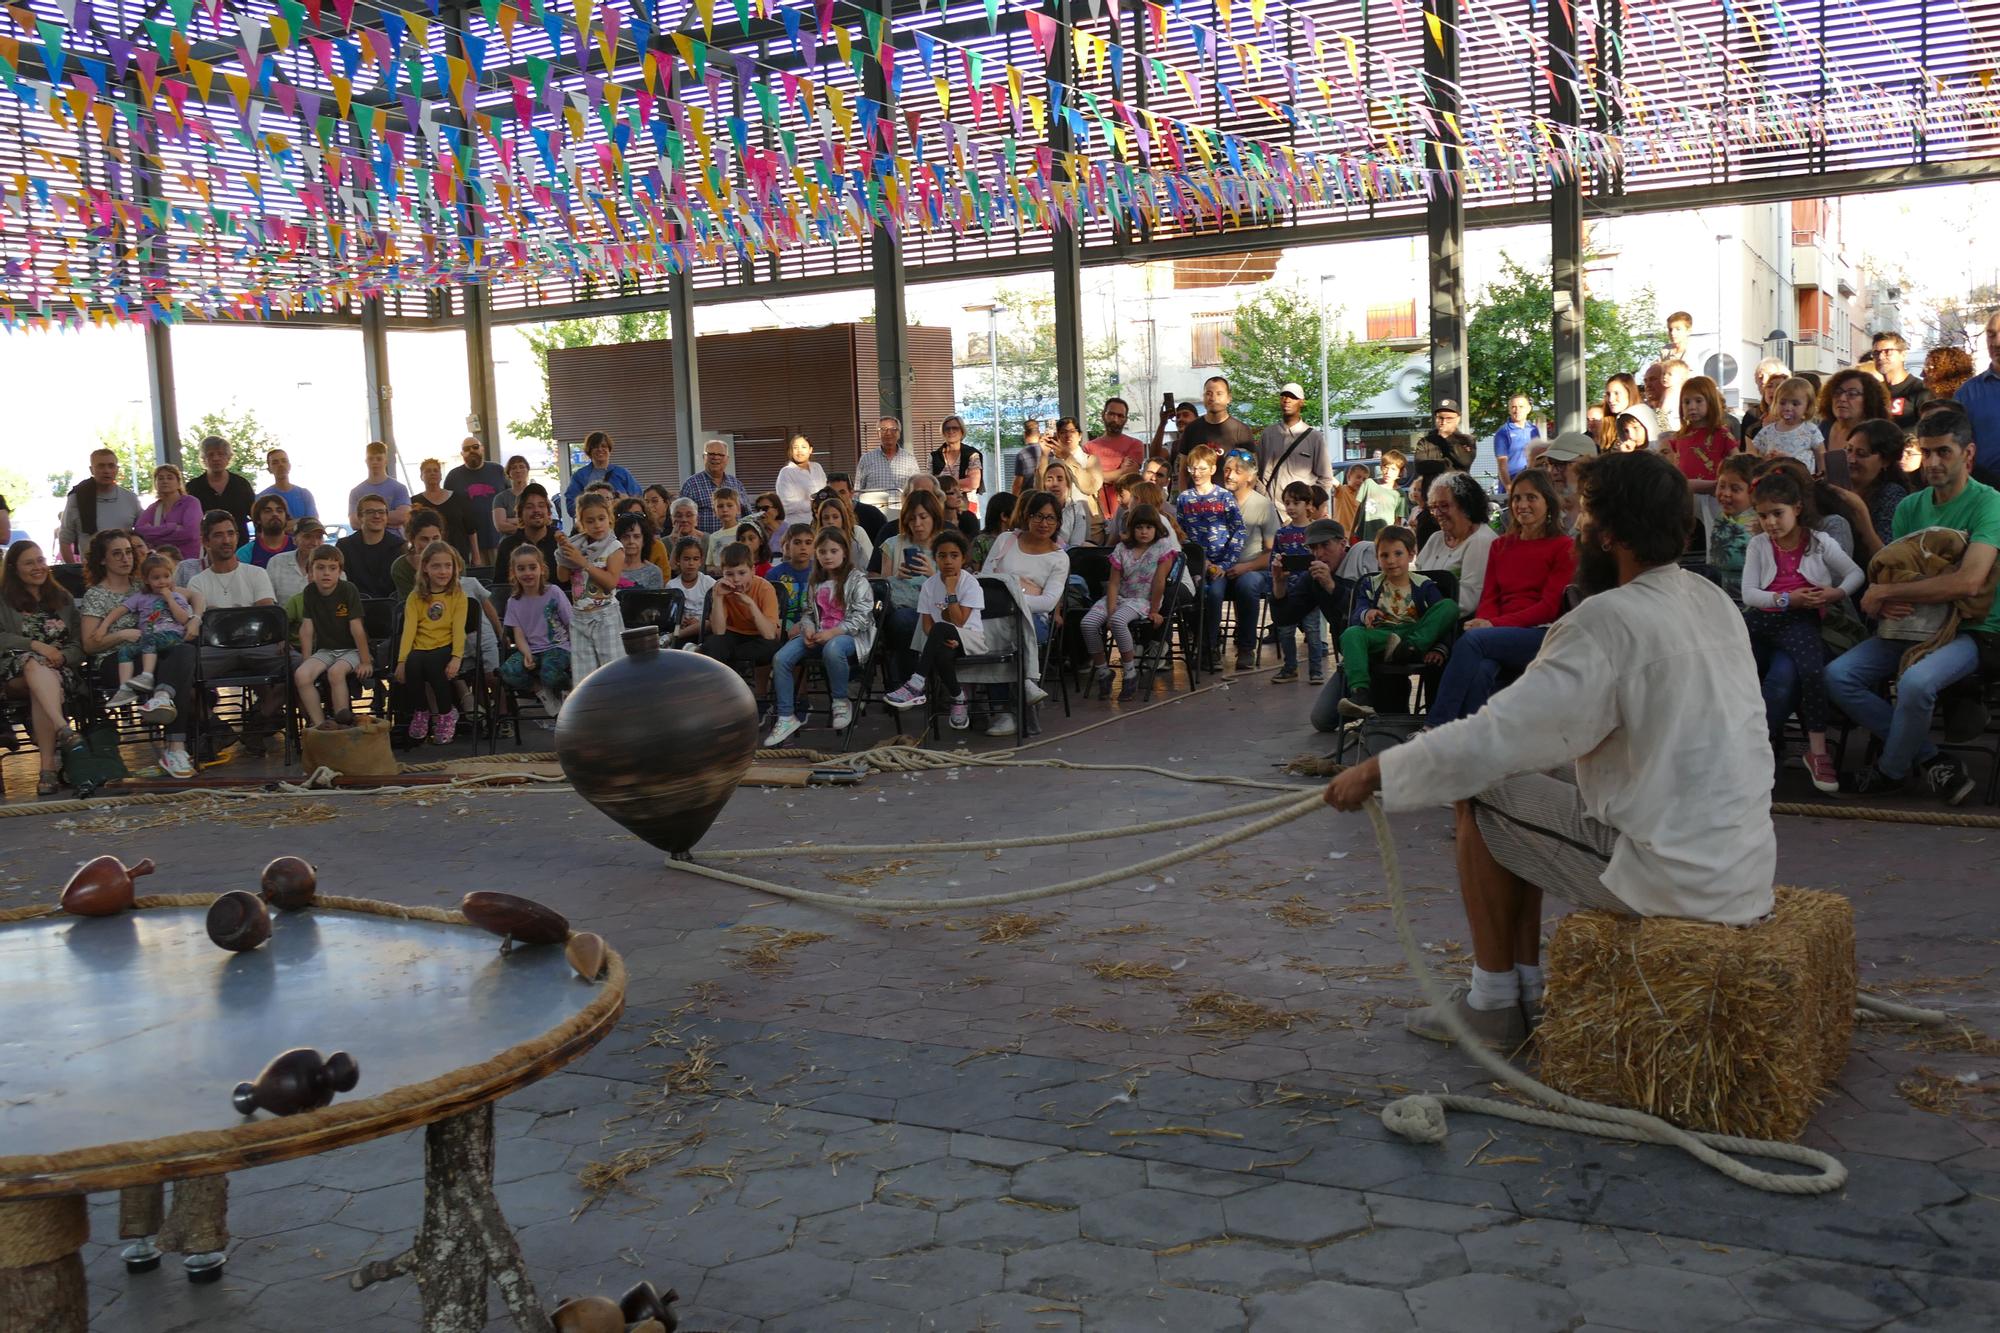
x: 121, y: 1039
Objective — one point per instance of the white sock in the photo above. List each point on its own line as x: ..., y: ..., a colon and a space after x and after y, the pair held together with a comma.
x: 915, y: 682
x: 1494, y: 990
x: 1531, y: 980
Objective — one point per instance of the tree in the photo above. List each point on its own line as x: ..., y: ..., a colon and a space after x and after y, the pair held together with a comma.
x: 248, y: 441
x: 1274, y: 339
x: 135, y: 460
x: 1027, y: 382
x: 1510, y: 344
x: 640, y: 327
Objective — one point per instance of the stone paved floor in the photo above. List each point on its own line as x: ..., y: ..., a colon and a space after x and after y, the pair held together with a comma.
x: 910, y: 1126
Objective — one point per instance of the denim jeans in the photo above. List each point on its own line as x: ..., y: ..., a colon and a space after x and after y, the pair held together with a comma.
x: 1472, y: 672
x: 836, y: 655
x: 1853, y: 678
x: 1288, y: 643
x: 1247, y: 592
x: 1779, y: 676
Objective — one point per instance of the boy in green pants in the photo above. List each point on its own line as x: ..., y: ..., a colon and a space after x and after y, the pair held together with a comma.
x: 1396, y: 614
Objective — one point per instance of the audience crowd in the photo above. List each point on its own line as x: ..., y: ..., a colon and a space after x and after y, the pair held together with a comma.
x: 1854, y: 520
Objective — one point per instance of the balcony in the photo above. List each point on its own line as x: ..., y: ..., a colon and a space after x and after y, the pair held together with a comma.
x: 1808, y: 266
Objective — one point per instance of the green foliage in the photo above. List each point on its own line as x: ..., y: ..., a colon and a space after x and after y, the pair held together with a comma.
x: 1027, y: 380
x: 1275, y: 339
x: 643, y: 326
x: 248, y: 442
x: 1510, y: 343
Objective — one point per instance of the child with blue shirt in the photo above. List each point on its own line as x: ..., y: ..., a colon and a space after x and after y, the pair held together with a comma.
x: 1210, y: 518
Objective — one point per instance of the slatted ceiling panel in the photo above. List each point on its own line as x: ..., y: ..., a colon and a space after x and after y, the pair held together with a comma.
x: 1498, y: 70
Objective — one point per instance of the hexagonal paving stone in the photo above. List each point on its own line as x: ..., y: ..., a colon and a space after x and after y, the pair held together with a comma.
x: 1295, y: 1214
x: 1828, y: 1294
x: 927, y: 1279
x: 1390, y: 1257
x: 1001, y: 1312
x: 1490, y: 1300
x: 1319, y: 1307
x: 865, y: 1231
x: 721, y: 1234
x: 888, y: 1146
x: 999, y: 1152
x: 1151, y: 1219
x: 1659, y: 1300
x: 1237, y: 1268
x: 776, y: 1284
x: 1558, y: 1252
x: 1177, y: 1311
x: 843, y: 1317
x: 804, y: 1190
x: 1081, y: 1268
x: 1391, y: 1210
x: 1202, y: 1180
x: 995, y: 1224
x: 942, y: 1184
x: 1074, y: 1179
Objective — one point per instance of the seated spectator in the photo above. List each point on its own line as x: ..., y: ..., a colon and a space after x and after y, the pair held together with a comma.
x: 694, y: 586
x: 635, y: 538
x: 1398, y: 615
x: 1209, y: 516
x: 751, y: 533
x: 864, y: 518
x: 1793, y: 433
x: 1875, y: 469
x: 1646, y: 687
x: 836, y: 626
x: 291, y: 571
x: 1636, y: 427
x: 536, y: 528
x: 591, y: 563
x: 431, y: 652
x: 769, y: 512
x: 955, y: 512
x: 41, y: 656
x: 230, y: 583
x: 728, y: 510
x: 1823, y: 504
x: 1951, y: 498
x: 162, y: 614
x: 1250, y: 574
x: 174, y: 516
x: 1134, y: 591
x: 110, y: 567
x: 272, y: 520
x: 683, y: 520
x: 369, y: 554
x: 538, y: 618
x: 1040, y: 568
x: 949, y: 618
x: 906, y: 564
x: 791, y: 576
x: 1290, y: 559
x: 1791, y: 575
x: 999, y: 519
x: 831, y: 511
x: 333, y: 642
x: 742, y: 617
x: 1463, y: 542
x: 1848, y: 398
x: 1557, y: 460
x: 423, y: 528
x: 1735, y: 522
x: 1526, y: 573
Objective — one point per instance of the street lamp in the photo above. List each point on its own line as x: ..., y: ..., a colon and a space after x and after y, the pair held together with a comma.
x: 993, y: 310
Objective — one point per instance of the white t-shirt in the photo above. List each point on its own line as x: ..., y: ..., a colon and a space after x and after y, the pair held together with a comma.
x: 930, y: 602
x: 694, y: 601
x: 245, y: 585
x: 1050, y: 571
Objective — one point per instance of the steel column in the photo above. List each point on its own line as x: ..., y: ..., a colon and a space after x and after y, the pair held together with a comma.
x: 1444, y: 215
x: 375, y: 366
x: 1566, y: 226
x: 686, y: 367
x: 893, y: 372
x: 1065, y: 245
x: 160, y: 392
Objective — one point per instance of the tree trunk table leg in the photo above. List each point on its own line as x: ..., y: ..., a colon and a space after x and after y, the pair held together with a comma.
x: 41, y: 1273
x: 463, y: 1242
x: 198, y: 1226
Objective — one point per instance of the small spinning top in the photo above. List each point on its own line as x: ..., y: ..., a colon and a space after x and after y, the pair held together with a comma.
x: 238, y: 921
x: 289, y: 882
x: 588, y: 1314
x: 585, y: 952
x: 516, y: 920
x: 298, y: 1080
x: 645, y: 1305
x: 102, y: 887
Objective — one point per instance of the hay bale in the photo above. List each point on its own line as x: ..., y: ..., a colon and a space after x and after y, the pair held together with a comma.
x: 1729, y: 1029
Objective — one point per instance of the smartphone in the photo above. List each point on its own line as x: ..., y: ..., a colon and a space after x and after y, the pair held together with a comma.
x: 1836, y: 469
x: 1166, y: 404
x: 1297, y: 562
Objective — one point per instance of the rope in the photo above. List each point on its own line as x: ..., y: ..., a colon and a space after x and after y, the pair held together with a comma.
x: 1936, y: 818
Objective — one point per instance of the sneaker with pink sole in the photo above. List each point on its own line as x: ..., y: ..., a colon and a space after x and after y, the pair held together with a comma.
x: 447, y: 727
x: 905, y: 696
x: 961, y: 712
x: 420, y: 725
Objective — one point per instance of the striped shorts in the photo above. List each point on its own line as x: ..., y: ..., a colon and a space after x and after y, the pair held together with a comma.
x: 1535, y: 826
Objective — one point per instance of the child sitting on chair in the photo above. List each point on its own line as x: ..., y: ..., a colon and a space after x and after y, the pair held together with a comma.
x: 538, y: 618
x: 163, y: 612
x: 332, y: 640
x: 1396, y: 613
x: 1132, y: 592
x: 948, y: 608
x: 694, y: 585
x: 1735, y: 525
x: 1290, y: 560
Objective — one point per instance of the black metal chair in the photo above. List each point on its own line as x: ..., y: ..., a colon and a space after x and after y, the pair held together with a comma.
x: 861, y: 690
x: 1180, y: 618
x: 661, y: 608
x: 382, y: 622
x: 260, y: 630
x: 1406, y: 671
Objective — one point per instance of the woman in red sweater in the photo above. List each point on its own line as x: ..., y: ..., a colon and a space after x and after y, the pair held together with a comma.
x: 1526, y: 572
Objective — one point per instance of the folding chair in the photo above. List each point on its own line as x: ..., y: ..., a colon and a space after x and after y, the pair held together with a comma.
x: 245, y: 629
x: 1180, y: 614
x: 860, y: 689
x: 382, y: 622
x: 1426, y: 677
x: 661, y: 608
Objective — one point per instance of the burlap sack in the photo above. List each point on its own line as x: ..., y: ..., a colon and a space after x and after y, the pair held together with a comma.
x: 361, y: 750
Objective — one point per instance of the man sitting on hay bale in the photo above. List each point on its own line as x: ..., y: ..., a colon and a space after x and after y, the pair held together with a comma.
x: 1650, y: 690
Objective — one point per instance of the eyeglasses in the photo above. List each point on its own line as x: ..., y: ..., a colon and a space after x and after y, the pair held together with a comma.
x: 1040, y: 514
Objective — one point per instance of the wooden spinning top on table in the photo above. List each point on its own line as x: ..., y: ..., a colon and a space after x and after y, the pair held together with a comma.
x: 289, y: 883
x: 298, y: 1080
x: 588, y: 1314
x: 515, y: 919
x: 644, y: 1305
x: 238, y: 921
x: 103, y: 886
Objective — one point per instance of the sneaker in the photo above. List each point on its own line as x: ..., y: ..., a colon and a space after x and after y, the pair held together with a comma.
x: 1035, y: 693
x: 1100, y: 681
x: 1286, y: 674
x: 785, y: 729
x: 843, y: 715
x: 1870, y: 781
x: 1244, y: 658
x: 1128, y: 685
x: 447, y: 727
x: 420, y: 725
x: 1502, y: 1030
x: 177, y: 763
x: 1947, y: 781
x: 1356, y: 703
x: 1824, y: 775
x: 961, y: 712
x: 143, y: 681
x: 1316, y: 676
x: 159, y: 710
x: 1002, y: 725
x: 905, y: 696
x: 548, y: 700
x: 128, y: 693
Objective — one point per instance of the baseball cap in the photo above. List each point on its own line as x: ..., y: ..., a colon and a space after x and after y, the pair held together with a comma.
x: 306, y: 526
x: 1324, y: 530
x: 1570, y: 446
x: 1446, y: 405
x: 1291, y: 390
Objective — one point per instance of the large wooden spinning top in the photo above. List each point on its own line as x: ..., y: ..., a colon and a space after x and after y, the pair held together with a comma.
x: 658, y: 740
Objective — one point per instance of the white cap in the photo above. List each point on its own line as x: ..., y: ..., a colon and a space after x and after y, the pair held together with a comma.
x: 1292, y: 390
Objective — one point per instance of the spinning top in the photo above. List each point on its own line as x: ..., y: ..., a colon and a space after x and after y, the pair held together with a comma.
x: 588, y: 1314
x: 102, y: 887
x: 289, y: 883
x: 238, y: 921
x: 663, y: 773
x: 297, y: 1081
x: 518, y: 920
x: 586, y: 954
x: 645, y: 1305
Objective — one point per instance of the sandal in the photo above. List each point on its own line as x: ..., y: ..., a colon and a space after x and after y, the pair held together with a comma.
x: 49, y: 783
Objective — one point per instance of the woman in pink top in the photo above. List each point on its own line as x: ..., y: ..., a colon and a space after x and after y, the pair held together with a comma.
x: 174, y: 517
x: 1528, y: 569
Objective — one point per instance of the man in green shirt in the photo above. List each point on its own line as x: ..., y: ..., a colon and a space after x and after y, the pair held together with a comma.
x: 1952, y: 499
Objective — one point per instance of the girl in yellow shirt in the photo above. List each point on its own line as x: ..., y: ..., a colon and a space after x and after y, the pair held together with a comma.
x: 433, y: 644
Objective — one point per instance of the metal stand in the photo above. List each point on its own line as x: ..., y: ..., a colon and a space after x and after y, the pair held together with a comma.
x: 464, y: 1242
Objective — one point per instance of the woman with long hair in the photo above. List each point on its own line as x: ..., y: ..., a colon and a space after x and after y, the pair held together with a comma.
x: 799, y: 480
x: 1848, y: 398
x: 41, y: 654
x: 174, y: 517
x: 1621, y: 391
x: 1875, y: 466
x: 955, y: 458
x: 1033, y: 553
x: 830, y: 511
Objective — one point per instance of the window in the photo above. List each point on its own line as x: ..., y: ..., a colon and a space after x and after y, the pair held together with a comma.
x: 1815, y: 314
x: 1809, y: 221
x: 1209, y: 336
x: 1395, y: 320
